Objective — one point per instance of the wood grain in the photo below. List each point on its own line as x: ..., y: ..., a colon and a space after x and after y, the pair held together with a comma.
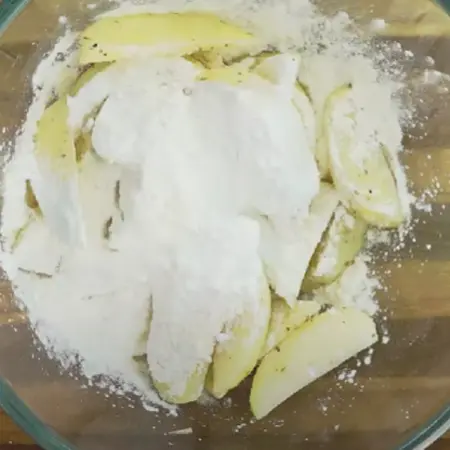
x: 427, y: 161
x: 10, y: 434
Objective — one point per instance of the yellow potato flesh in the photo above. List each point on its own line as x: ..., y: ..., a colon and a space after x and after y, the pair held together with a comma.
x: 54, y: 139
x: 86, y: 77
x: 114, y: 38
x: 230, y: 75
x: 309, y: 352
x: 367, y: 183
x: 235, y: 358
x: 305, y: 108
x: 192, y: 391
x: 340, y: 245
x: 285, y: 319
x: 30, y: 198
x: 322, y: 147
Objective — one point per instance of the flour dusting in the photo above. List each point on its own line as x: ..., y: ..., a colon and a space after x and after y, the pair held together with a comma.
x: 196, y: 197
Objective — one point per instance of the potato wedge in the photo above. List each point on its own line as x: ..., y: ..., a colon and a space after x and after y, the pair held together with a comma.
x: 351, y: 288
x: 322, y: 151
x: 33, y: 241
x: 30, y: 198
x: 194, y: 384
x: 339, y: 247
x: 56, y: 184
x: 280, y: 69
x: 58, y: 152
x: 83, y: 140
x: 304, y: 106
x: 228, y: 74
x: 366, y: 181
x: 86, y: 76
x: 207, y: 59
x: 114, y: 38
x: 285, y: 319
x: 192, y: 392
x: 287, y: 249
x: 309, y: 352
x: 234, y: 359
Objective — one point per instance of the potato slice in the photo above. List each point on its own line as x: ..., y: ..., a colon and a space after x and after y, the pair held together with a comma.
x: 86, y: 76
x: 322, y: 147
x: 338, y: 249
x: 287, y: 249
x: 58, y: 151
x: 30, y: 198
x: 308, y: 353
x: 192, y: 392
x: 234, y: 359
x: 285, y: 319
x: 114, y: 38
x: 304, y: 106
x: 34, y: 241
x: 366, y: 181
x: 280, y: 69
x: 20, y: 203
x: 229, y: 74
x: 355, y: 288
x: 83, y: 141
x: 194, y: 385
x: 56, y: 184
x: 207, y: 59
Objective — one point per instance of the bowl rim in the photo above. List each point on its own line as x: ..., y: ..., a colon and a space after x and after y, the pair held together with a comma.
x: 49, y: 439
x: 9, y: 10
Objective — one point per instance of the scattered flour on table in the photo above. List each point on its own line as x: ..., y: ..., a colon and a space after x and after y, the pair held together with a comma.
x: 90, y: 305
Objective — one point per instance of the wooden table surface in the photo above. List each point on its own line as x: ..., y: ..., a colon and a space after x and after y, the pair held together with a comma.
x: 10, y: 435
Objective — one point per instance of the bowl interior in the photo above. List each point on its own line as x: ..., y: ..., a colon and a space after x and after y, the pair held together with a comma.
x: 398, y: 400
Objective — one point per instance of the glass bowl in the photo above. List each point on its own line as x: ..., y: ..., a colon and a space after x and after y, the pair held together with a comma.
x: 400, y: 401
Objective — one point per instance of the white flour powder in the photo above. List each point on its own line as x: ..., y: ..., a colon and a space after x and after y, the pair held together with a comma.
x: 195, y: 163
x: 355, y: 288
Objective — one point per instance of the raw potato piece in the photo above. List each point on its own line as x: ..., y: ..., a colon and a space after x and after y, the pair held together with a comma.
x: 282, y: 70
x: 35, y: 240
x: 279, y: 69
x: 86, y: 77
x: 308, y: 353
x: 83, y: 141
x: 56, y: 183
x: 229, y: 74
x: 340, y: 245
x: 194, y: 386
x: 114, y: 38
x: 287, y: 250
x: 58, y: 152
x: 285, y: 319
x: 365, y: 181
x: 308, y: 115
x: 192, y: 392
x: 234, y: 359
x: 322, y: 151
x: 31, y: 200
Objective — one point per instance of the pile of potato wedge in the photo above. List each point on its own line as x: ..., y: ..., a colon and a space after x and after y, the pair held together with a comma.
x: 301, y: 341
